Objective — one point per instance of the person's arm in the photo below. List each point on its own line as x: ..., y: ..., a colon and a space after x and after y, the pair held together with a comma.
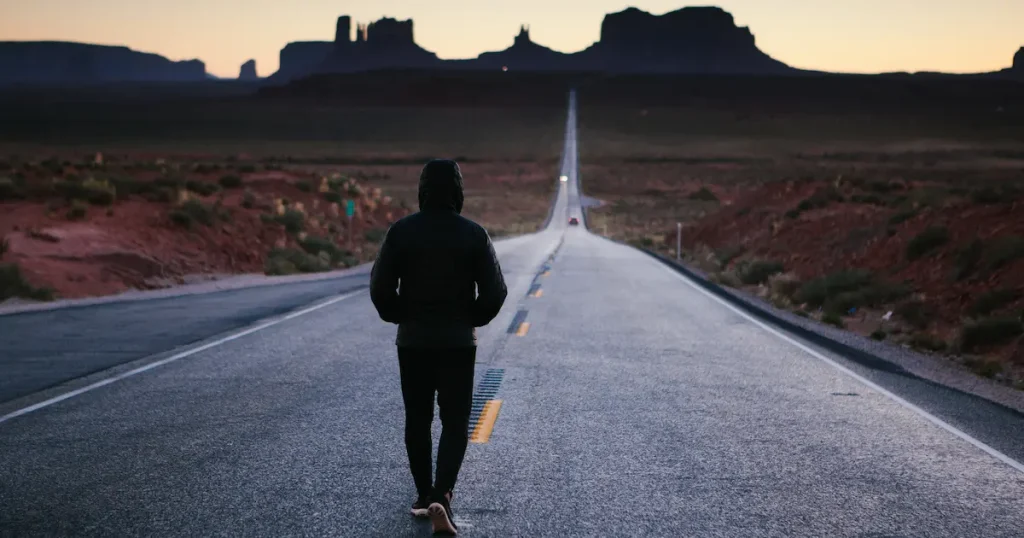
x: 384, y: 280
x: 490, y: 284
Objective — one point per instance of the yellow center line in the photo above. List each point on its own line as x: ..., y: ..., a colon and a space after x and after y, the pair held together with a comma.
x: 545, y: 273
x: 538, y: 293
x: 523, y: 328
x: 484, y: 426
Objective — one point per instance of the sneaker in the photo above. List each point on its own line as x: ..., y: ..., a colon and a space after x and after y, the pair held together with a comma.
x: 419, y: 508
x: 441, y: 516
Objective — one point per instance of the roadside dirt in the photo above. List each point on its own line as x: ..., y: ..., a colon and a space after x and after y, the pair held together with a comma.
x: 942, y: 226
x: 136, y: 238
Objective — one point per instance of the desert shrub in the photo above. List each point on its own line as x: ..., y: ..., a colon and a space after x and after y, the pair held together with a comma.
x: 834, y: 319
x: 784, y: 285
x: 230, y: 181
x: 984, y: 368
x: 205, y: 168
x: 94, y: 191
x: 376, y: 235
x: 902, y: 216
x: 169, y: 181
x: 247, y: 168
x: 127, y: 186
x: 304, y: 186
x: 883, y: 187
x: 758, y: 271
x: 332, y: 197
x: 53, y: 166
x: 98, y: 192
x: 248, y: 199
x: 898, y: 201
x: 726, y: 278
x: 78, y: 210
x: 986, y: 196
x: 990, y: 301
x: 727, y: 254
x: 193, y: 211
x: 160, y: 195
x: 1003, y: 251
x: 13, y: 284
x: 317, y: 245
x: 927, y: 241
x: 878, y: 334
x: 792, y: 214
x: 703, y: 194
x: 845, y: 290
x: 9, y: 190
x: 870, y: 199
x: 967, y: 259
x: 914, y: 312
x: 927, y: 342
x: 989, y: 332
x: 287, y: 261
x: 201, y: 188
x: 293, y: 220
x: 815, y: 292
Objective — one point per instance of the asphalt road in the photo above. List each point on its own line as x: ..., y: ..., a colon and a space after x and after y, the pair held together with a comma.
x: 632, y: 405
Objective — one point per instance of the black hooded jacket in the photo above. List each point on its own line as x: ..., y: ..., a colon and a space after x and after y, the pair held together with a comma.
x: 436, y: 274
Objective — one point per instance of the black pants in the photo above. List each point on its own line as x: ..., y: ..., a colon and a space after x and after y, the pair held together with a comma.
x: 449, y: 373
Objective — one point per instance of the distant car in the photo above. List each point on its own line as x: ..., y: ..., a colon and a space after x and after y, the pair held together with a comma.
x: 573, y: 221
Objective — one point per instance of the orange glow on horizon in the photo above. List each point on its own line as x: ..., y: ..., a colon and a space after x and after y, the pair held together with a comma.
x: 860, y: 36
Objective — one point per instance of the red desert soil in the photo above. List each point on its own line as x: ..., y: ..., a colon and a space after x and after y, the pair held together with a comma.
x: 135, y: 243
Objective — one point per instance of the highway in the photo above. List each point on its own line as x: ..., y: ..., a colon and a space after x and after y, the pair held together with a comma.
x: 632, y: 403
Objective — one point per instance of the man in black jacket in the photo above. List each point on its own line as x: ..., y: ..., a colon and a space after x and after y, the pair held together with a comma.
x: 438, y: 278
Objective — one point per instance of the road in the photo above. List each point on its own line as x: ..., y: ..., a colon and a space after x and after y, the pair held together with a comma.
x: 632, y: 404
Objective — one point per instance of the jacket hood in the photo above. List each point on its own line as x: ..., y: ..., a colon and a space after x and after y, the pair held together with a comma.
x: 441, y: 186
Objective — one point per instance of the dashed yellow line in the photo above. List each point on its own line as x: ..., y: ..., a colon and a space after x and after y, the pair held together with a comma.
x: 524, y: 327
x: 484, y: 426
x: 545, y: 273
x: 538, y: 293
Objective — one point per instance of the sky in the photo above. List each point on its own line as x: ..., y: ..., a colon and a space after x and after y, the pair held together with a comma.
x: 855, y: 36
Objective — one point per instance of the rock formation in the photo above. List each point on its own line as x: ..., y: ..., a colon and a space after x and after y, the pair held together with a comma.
x: 1018, y: 61
x: 302, y: 58
x: 66, y: 63
x: 688, y: 40
x: 248, y: 72
x: 523, y: 55
x: 384, y: 44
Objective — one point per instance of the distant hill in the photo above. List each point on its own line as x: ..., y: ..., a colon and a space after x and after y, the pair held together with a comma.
x: 692, y: 40
x: 66, y: 63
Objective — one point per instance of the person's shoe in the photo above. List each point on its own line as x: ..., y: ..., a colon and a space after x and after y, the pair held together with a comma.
x: 419, y: 508
x: 441, y: 517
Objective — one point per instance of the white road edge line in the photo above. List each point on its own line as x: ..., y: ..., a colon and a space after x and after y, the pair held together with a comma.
x: 175, y: 357
x: 928, y: 416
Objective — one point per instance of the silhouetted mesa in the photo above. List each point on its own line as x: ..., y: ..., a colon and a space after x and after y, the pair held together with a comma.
x: 1018, y: 60
x: 523, y: 55
x: 702, y: 40
x: 248, y: 71
x: 699, y: 40
x: 59, y: 62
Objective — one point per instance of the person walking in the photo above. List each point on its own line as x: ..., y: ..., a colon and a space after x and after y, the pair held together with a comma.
x: 438, y: 278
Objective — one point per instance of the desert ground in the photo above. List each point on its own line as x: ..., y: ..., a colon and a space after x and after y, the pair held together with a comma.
x: 106, y: 196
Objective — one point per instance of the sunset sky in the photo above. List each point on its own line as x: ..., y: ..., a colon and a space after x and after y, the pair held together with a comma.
x: 861, y: 36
